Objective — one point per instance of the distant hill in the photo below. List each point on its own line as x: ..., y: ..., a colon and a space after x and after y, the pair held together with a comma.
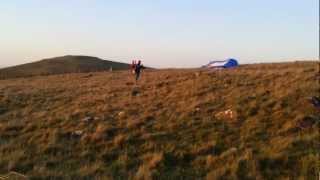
x: 61, y: 65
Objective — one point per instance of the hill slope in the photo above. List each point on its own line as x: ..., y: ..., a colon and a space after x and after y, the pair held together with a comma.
x: 60, y: 65
x: 252, y: 122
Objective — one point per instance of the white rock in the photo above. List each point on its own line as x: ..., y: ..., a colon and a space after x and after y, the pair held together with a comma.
x: 78, y: 132
x: 87, y: 119
x: 121, y: 113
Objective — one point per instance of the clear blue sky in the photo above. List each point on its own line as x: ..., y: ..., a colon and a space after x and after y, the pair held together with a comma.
x: 164, y: 33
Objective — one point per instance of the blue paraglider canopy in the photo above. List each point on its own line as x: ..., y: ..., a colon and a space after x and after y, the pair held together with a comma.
x: 228, y: 63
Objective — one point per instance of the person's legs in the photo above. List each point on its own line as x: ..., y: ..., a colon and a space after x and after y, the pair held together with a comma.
x: 137, y: 76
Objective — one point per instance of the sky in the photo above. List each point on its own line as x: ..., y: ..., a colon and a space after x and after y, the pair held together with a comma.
x: 163, y: 33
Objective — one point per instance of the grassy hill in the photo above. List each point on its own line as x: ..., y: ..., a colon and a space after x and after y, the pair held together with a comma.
x: 251, y: 122
x: 60, y: 65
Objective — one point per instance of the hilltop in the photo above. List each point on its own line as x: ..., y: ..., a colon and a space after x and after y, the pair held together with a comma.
x: 61, y: 65
x: 250, y: 122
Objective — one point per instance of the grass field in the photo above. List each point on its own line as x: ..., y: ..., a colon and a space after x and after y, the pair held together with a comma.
x: 251, y: 122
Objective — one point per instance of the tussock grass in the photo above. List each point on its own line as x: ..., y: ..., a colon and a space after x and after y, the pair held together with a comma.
x: 172, y: 125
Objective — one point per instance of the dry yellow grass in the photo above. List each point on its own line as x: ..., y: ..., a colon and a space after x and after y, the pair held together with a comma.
x: 176, y: 124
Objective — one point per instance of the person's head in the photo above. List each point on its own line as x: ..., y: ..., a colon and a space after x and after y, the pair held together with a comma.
x: 139, y: 62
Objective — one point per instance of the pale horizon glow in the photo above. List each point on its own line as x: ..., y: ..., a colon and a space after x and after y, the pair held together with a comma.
x: 180, y: 33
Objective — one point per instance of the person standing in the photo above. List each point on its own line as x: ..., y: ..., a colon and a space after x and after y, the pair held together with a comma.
x: 137, y: 70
